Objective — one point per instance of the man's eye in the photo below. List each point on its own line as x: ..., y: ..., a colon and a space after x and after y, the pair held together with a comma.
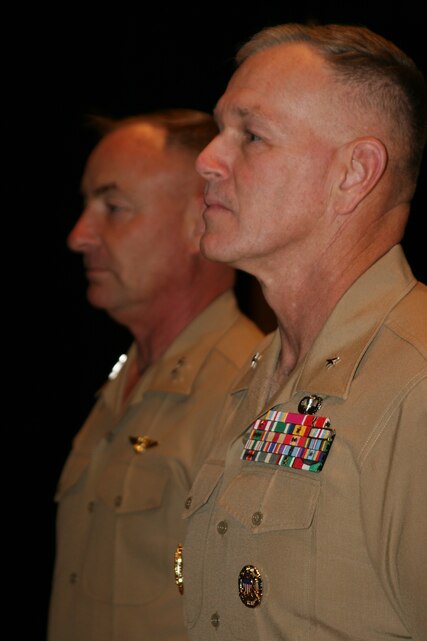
x: 251, y: 137
x: 114, y: 208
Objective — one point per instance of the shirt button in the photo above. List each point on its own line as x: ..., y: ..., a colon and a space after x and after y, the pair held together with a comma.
x: 73, y: 578
x: 188, y: 503
x: 118, y: 501
x: 256, y: 518
x: 91, y: 506
x: 215, y: 619
x: 176, y: 370
x: 222, y: 527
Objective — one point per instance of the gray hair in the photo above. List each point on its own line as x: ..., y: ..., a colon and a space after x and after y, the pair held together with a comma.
x: 384, y: 76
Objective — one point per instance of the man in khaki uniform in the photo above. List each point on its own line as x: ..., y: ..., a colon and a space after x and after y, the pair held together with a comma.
x: 133, y: 462
x: 308, y: 520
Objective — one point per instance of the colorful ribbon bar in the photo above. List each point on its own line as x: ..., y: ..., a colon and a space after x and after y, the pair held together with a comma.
x: 301, y: 441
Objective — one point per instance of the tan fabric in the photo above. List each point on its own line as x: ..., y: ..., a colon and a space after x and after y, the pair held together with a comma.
x: 341, y: 553
x: 119, y: 511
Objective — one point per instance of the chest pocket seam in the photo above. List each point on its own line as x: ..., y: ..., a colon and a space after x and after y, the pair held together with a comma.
x: 203, y: 486
x: 73, y: 470
x: 282, y: 500
x: 143, y: 488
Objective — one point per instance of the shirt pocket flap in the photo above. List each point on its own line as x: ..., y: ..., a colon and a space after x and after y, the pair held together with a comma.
x: 134, y: 488
x: 73, y: 470
x: 203, y: 486
x: 264, y: 501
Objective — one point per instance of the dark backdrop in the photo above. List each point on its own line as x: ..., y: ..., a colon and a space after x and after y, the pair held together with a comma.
x: 120, y: 61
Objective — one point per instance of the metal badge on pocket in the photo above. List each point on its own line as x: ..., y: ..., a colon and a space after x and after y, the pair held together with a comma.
x: 301, y: 441
x: 250, y: 586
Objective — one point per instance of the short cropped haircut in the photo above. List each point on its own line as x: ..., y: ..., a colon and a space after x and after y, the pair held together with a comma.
x: 188, y: 129
x: 383, y: 76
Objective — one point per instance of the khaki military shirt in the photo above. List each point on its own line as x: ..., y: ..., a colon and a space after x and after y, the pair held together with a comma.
x: 120, y: 500
x: 276, y: 553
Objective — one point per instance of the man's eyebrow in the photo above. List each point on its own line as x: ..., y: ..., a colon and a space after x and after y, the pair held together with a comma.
x: 242, y: 112
x: 86, y: 194
x: 102, y: 189
x: 98, y: 191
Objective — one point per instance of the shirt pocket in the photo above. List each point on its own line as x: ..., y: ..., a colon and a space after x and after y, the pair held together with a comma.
x: 134, y: 487
x: 271, y: 514
x: 206, y: 480
x: 265, y: 501
x: 74, y: 469
x: 129, y: 557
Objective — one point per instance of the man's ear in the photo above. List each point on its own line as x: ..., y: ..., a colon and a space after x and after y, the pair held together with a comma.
x: 364, y: 162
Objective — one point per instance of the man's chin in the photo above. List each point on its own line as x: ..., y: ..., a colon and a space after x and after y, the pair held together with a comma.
x: 96, y: 298
x: 208, y: 248
x: 215, y: 248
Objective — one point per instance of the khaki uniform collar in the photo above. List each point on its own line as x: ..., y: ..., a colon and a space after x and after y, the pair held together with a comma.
x: 346, y: 335
x: 179, y: 366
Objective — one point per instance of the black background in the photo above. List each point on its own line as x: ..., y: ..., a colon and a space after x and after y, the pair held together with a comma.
x: 120, y: 61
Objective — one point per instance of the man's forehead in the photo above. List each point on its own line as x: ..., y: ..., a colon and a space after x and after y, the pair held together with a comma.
x: 266, y: 68
x: 288, y: 68
x: 139, y: 144
x: 137, y: 134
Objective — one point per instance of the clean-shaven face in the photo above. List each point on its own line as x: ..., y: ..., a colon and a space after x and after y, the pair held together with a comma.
x: 133, y: 230
x: 267, y: 169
